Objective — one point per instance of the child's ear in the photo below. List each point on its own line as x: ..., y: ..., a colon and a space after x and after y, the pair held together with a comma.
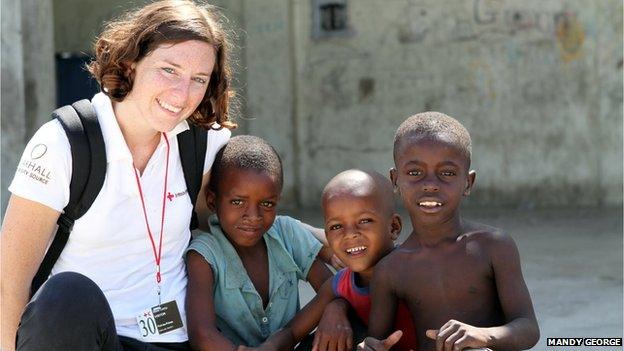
x: 393, y: 179
x: 470, y: 180
x: 395, y: 226
x: 211, y: 200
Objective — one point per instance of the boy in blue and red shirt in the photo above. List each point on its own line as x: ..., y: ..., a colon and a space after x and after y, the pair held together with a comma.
x: 361, y: 225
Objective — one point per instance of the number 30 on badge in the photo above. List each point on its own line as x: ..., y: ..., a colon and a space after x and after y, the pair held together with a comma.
x: 159, y: 319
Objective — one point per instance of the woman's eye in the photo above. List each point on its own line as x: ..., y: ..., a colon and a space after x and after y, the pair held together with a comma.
x: 236, y: 202
x: 366, y: 220
x: 414, y: 173
x: 201, y: 81
x: 335, y: 227
x: 168, y: 70
x: 447, y: 173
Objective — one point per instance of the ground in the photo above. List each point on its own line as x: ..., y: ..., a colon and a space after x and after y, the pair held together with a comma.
x: 572, y: 264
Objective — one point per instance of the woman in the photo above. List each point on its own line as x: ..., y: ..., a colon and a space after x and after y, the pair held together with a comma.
x: 160, y: 67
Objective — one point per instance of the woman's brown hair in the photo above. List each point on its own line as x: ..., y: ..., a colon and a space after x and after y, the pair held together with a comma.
x: 134, y: 35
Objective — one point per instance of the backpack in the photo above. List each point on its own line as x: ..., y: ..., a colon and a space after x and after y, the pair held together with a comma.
x: 89, y: 169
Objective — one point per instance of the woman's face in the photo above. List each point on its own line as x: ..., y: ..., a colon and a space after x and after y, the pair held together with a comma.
x: 170, y: 82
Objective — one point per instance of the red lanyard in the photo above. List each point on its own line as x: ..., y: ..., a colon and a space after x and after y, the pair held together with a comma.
x: 157, y: 256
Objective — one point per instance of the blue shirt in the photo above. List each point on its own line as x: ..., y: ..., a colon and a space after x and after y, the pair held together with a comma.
x: 240, y: 315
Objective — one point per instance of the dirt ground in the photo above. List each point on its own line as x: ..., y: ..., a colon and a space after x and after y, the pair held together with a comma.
x: 572, y: 264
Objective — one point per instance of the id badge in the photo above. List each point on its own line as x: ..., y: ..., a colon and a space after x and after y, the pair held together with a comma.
x: 159, y: 319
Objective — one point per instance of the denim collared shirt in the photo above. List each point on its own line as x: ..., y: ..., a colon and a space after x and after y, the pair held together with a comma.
x: 240, y: 315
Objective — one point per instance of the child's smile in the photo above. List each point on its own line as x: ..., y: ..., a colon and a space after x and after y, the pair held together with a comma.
x: 430, y: 206
x: 357, y: 231
x: 356, y: 251
x: 432, y: 176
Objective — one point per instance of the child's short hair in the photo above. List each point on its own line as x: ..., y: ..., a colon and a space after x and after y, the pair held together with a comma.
x: 435, y: 124
x: 246, y: 152
x: 353, y: 180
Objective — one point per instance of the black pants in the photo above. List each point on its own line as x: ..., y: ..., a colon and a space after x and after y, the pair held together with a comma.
x: 70, y: 312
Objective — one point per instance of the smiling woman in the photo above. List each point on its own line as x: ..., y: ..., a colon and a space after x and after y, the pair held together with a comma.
x: 120, y: 281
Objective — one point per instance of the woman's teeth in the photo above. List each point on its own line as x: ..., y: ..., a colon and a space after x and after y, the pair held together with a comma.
x: 168, y: 107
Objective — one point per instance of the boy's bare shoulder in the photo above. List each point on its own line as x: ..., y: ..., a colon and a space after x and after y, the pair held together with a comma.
x: 487, y: 236
x: 389, y: 261
x: 480, y: 230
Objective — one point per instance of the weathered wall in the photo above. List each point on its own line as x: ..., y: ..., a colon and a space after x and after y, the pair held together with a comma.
x: 13, y: 123
x: 537, y: 83
x: 28, y: 82
x: 269, y: 94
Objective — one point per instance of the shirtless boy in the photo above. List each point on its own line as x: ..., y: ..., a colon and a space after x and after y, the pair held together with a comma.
x: 462, y: 280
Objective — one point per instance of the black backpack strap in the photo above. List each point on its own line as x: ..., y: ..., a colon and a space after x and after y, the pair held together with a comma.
x: 88, y: 171
x: 192, y: 147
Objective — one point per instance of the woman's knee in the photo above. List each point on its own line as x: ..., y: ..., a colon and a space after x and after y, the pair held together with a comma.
x: 69, y: 312
x: 67, y: 295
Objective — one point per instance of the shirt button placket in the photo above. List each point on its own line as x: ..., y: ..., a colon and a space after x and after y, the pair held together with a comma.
x: 265, y: 326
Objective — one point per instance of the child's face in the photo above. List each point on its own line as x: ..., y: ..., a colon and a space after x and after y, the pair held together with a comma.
x: 431, y: 176
x: 358, y: 231
x: 245, y: 203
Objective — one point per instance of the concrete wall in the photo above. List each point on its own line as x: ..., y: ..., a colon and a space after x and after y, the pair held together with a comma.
x: 537, y: 83
x: 28, y: 81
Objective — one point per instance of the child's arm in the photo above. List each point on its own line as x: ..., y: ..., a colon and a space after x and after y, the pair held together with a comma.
x: 383, y: 300
x: 200, y: 312
x: 307, y: 319
x: 521, y: 330
x: 318, y: 275
x: 326, y: 254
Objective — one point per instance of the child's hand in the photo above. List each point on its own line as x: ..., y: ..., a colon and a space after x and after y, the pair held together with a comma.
x: 334, y: 329
x: 455, y: 336
x: 372, y: 344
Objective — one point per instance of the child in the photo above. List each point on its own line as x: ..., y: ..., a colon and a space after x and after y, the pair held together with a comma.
x: 360, y: 224
x: 243, y: 277
x: 461, y: 280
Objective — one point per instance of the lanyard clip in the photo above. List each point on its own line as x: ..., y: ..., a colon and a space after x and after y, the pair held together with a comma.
x: 158, y: 291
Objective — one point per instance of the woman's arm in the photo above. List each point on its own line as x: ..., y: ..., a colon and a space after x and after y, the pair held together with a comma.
x: 200, y: 311
x: 27, y: 228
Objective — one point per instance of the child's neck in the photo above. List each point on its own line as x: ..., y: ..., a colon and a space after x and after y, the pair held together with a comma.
x: 362, y: 279
x: 250, y: 251
x: 434, y: 234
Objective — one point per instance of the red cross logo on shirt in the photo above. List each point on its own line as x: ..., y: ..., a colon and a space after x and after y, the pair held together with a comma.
x: 170, y: 196
x: 147, y: 314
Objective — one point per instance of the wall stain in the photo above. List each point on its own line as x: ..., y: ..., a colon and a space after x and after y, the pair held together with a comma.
x: 366, y: 88
x: 570, y: 35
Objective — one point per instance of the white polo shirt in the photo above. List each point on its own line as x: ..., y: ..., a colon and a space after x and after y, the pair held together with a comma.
x: 110, y: 244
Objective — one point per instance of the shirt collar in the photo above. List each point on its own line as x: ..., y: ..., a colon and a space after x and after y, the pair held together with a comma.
x: 235, y: 274
x: 116, y: 147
